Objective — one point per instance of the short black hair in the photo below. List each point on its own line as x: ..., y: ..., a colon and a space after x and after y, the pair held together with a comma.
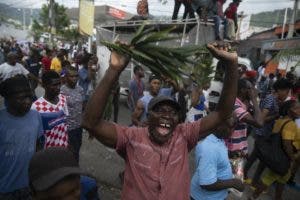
x: 282, y: 84
x: 137, y: 68
x: 242, y: 84
x: 10, y: 85
x: 154, y: 76
x: 285, y: 107
x: 48, y: 76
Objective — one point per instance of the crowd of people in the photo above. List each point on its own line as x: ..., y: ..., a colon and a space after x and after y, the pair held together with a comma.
x: 212, y: 9
x: 41, y: 137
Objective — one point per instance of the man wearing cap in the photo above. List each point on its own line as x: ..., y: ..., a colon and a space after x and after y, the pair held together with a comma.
x: 54, y: 174
x: 156, y: 156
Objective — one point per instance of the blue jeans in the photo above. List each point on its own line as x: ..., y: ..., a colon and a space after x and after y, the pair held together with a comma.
x: 75, y: 141
x: 218, y: 21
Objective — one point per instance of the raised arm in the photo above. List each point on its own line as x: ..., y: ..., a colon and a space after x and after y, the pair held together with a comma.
x: 104, y: 131
x: 228, y: 95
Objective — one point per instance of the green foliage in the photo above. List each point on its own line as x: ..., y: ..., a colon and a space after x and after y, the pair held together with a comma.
x: 268, y: 19
x: 288, y: 55
x: 61, y: 21
x: 171, y: 62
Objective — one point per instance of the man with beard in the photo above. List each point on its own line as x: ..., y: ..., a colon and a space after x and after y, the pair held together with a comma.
x: 156, y: 156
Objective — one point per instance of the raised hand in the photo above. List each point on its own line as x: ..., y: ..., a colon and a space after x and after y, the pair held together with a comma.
x: 220, y: 51
x: 118, y: 61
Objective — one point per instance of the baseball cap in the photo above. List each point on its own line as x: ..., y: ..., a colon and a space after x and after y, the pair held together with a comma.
x: 49, y: 166
x: 162, y: 99
x: 154, y: 76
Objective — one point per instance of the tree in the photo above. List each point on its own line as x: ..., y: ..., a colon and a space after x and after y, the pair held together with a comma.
x: 61, y: 20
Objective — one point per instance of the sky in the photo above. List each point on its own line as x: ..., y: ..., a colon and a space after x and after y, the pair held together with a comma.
x: 157, y: 8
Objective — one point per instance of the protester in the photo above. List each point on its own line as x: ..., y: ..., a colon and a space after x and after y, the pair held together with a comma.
x: 53, y: 109
x: 32, y: 64
x: 237, y: 142
x: 20, y: 131
x: 46, y: 60
x: 156, y: 156
x: 85, y: 76
x: 139, y: 116
x: 289, y: 111
x: 55, y: 174
x: 56, y: 62
x: 187, y: 9
x: 74, y: 96
x: 198, y: 108
x: 11, y: 68
x: 231, y: 17
x: 269, y: 108
x: 136, y: 87
x: 213, y: 176
x: 218, y: 19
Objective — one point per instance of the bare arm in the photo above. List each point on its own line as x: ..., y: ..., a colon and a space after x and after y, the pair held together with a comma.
x: 195, y: 96
x: 288, y: 148
x: 104, y: 131
x: 257, y: 119
x: 228, y: 95
x: 137, y: 114
x: 224, y: 184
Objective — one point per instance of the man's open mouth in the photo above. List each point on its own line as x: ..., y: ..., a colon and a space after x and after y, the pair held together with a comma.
x: 163, y: 128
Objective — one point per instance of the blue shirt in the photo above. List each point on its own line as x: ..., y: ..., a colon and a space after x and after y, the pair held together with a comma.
x: 136, y: 90
x: 18, y: 136
x: 84, y: 81
x: 212, y: 164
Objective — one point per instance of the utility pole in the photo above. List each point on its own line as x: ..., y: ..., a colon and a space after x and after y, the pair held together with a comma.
x: 51, y: 20
x: 24, y: 19
x: 292, y: 22
x: 284, y: 22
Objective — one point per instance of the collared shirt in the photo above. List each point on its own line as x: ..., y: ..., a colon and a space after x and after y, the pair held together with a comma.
x: 238, y: 139
x: 154, y: 172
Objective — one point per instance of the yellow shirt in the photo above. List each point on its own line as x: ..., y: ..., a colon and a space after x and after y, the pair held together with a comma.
x: 290, y: 131
x: 56, y: 65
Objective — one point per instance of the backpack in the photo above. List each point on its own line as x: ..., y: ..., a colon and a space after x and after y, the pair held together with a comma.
x: 270, y: 151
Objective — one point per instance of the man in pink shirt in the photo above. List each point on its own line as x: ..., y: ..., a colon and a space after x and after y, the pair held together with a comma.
x: 156, y: 156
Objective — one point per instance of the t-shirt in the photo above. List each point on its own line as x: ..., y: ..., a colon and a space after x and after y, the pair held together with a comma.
x: 33, y: 66
x: 212, y: 165
x: 231, y: 11
x: 18, y: 136
x: 269, y: 103
x: 238, y: 139
x: 54, y: 120
x: 7, y: 71
x: 155, y: 171
x: 84, y: 81
x: 56, y: 65
x: 145, y: 100
x: 289, y: 131
x: 75, y: 99
x: 46, y: 61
